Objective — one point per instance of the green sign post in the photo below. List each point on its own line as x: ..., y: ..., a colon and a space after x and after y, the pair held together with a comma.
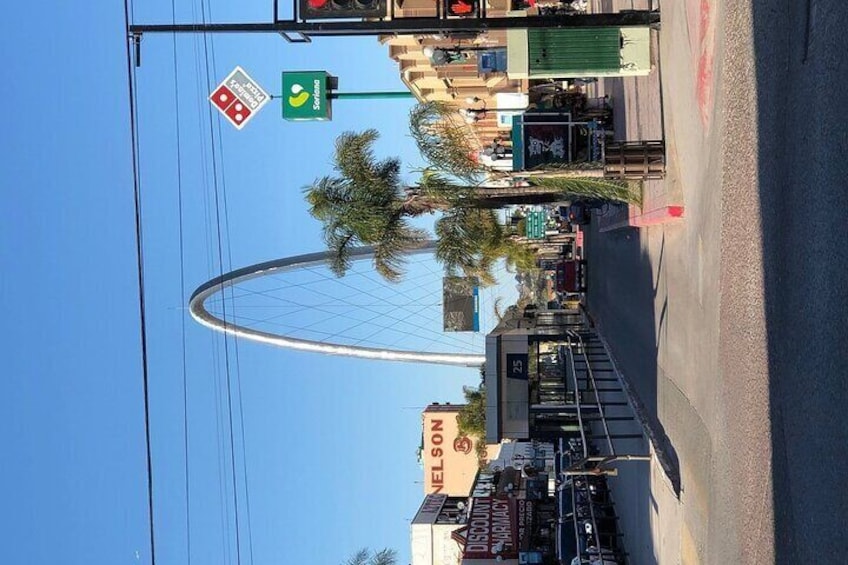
x: 535, y: 224
x: 305, y: 96
x: 308, y: 95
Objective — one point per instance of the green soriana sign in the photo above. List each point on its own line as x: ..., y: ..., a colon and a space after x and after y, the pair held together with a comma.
x: 305, y: 96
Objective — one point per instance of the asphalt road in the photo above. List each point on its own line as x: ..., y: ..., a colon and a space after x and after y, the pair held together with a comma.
x: 733, y: 325
x: 800, y: 119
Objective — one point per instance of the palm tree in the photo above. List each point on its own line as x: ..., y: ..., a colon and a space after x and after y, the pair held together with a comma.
x: 443, y: 140
x: 471, y: 241
x: 447, y: 144
x: 365, y: 557
x: 365, y: 204
x: 471, y: 420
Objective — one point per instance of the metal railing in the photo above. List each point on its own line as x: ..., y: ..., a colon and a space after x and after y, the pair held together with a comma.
x: 598, y: 402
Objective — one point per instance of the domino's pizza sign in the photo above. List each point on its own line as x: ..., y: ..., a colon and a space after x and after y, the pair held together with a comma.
x: 239, y: 97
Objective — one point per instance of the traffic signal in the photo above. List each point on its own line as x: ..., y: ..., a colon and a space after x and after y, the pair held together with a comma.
x: 461, y: 8
x: 337, y: 9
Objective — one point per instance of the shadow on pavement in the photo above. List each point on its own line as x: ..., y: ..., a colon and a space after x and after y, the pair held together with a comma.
x: 802, y: 124
x: 621, y: 302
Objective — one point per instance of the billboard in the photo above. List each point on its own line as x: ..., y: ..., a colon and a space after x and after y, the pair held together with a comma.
x: 430, y: 509
x: 450, y: 460
x: 497, y: 532
x: 461, y: 304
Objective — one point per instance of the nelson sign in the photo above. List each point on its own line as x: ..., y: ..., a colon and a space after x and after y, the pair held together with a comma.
x: 450, y: 462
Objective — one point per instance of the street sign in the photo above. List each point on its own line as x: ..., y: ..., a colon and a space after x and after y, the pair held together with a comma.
x: 535, y: 224
x: 239, y: 97
x: 516, y: 366
x: 305, y: 96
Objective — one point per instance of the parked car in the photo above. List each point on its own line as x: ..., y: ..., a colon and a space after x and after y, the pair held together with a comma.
x: 571, y: 276
x: 579, y: 213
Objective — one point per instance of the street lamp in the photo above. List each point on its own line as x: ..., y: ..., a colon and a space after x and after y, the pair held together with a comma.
x: 448, y: 55
x: 443, y: 56
x: 472, y: 115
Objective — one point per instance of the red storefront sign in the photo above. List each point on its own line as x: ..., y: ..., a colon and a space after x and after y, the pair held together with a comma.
x: 492, y: 529
x: 239, y: 97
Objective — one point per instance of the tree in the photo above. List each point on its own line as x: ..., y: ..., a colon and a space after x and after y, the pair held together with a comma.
x: 366, y: 557
x: 443, y: 140
x: 471, y: 240
x: 471, y: 420
x: 446, y: 144
x: 365, y: 204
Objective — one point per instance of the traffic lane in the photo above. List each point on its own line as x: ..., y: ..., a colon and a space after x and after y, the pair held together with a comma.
x: 806, y: 279
x: 799, y: 116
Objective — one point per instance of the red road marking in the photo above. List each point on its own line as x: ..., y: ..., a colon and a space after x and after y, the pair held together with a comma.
x: 706, y: 51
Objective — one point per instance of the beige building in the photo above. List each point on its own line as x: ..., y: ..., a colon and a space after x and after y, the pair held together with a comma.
x: 432, y: 530
x: 456, y: 82
x: 450, y: 462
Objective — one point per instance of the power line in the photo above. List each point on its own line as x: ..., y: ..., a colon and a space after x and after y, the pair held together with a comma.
x: 200, y: 106
x: 139, y: 249
x: 219, y: 237
x: 182, y: 290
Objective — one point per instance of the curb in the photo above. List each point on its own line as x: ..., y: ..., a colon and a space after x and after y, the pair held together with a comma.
x: 639, y: 219
x: 670, y: 475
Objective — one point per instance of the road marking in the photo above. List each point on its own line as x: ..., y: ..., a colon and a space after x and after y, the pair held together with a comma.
x: 704, y: 82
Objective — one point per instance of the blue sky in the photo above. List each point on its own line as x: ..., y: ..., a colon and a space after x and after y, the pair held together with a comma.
x: 329, y: 443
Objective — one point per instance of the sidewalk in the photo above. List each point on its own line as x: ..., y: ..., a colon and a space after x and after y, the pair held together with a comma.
x: 659, y: 527
x: 637, y: 103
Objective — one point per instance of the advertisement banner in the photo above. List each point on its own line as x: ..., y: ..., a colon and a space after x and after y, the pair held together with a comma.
x: 239, y: 97
x: 492, y: 529
x: 525, y: 523
x: 461, y: 304
x: 430, y: 509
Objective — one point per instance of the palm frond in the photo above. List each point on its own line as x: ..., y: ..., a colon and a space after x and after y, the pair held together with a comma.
x: 437, y: 185
x: 326, y: 196
x: 384, y: 557
x: 354, y: 152
x: 340, y: 243
x: 573, y: 187
x: 354, y: 160
x: 470, y: 241
x: 359, y: 558
x: 391, y: 248
x: 444, y: 140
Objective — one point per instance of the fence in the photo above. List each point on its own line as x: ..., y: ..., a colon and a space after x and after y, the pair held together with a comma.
x: 635, y: 160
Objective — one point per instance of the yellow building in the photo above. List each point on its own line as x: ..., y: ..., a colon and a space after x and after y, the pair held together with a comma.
x: 455, y: 83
